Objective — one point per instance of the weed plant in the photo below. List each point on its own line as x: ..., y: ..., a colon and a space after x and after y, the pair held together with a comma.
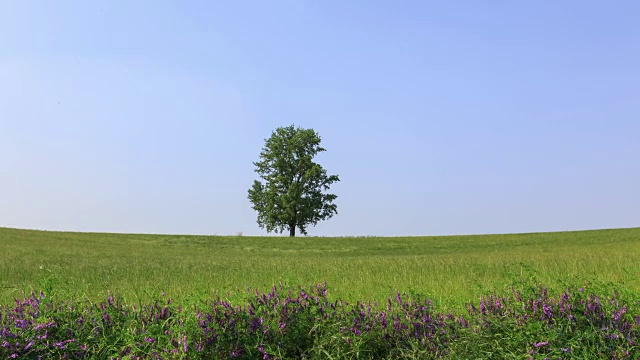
x: 525, y: 322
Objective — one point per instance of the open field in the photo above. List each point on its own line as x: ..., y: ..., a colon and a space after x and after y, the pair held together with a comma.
x: 589, y: 308
x: 450, y: 270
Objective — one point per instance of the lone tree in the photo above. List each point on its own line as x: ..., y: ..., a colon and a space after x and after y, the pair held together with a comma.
x: 293, y: 193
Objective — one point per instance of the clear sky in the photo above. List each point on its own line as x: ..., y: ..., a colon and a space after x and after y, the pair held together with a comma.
x: 447, y: 117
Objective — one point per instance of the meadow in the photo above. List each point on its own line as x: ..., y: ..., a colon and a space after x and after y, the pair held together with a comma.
x: 569, y: 295
x: 450, y: 270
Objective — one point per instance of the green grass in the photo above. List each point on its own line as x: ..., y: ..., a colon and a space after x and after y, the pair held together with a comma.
x: 450, y: 270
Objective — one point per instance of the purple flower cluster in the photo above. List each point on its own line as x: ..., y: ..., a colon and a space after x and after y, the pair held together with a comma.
x: 290, y: 324
x: 565, y: 317
x: 305, y: 323
x: 25, y: 331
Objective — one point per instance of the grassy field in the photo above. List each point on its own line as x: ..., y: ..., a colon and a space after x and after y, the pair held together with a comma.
x: 450, y: 270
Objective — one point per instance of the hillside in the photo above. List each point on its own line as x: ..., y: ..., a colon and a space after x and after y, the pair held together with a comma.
x: 449, y: 269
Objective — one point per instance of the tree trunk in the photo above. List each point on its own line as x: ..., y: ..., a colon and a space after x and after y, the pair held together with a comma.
x: 292, y: 230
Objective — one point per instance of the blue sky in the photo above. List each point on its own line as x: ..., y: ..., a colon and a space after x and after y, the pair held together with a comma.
x: 440, y: 117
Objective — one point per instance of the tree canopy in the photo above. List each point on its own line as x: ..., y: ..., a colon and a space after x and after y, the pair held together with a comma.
x: 293, y: 194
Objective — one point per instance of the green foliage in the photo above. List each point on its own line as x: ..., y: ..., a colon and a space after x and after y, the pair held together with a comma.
x: 525, y: 321
x: 293, y: 195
